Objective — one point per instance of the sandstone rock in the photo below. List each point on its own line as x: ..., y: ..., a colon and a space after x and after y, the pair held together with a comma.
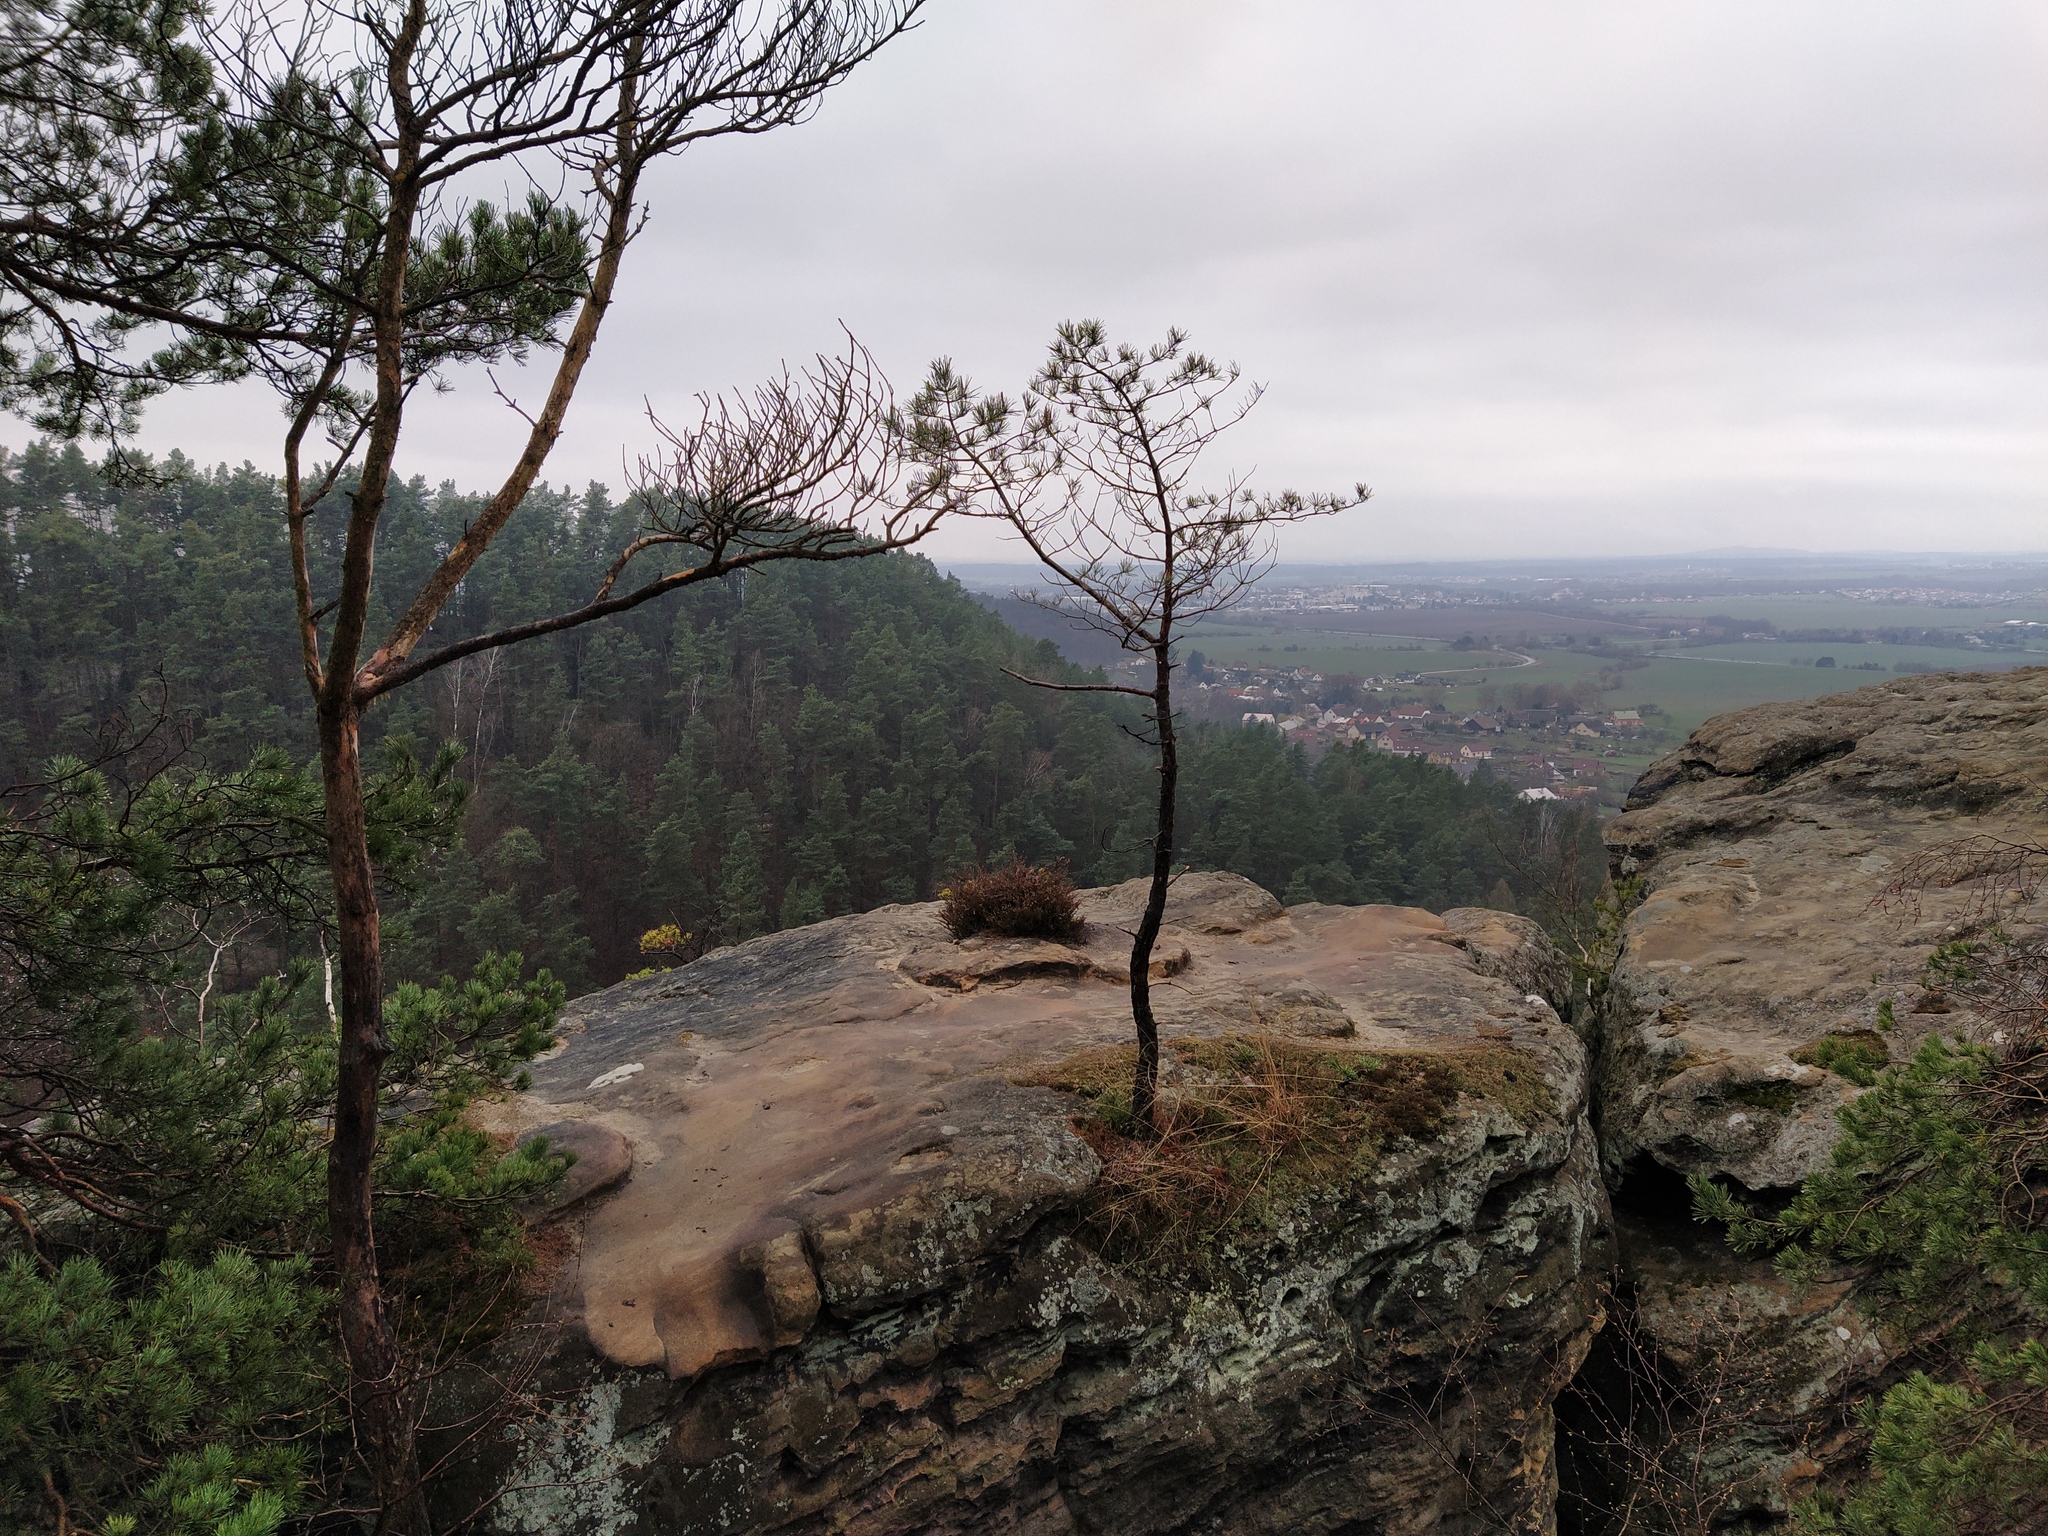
x: 1952, y: 742
x: 603, y: 1159
x: 1515, y: 949
x: 1767, y: 846
x: 848, y: 1288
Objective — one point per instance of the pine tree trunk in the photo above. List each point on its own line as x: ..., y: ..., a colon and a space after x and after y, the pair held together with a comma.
x: 380, y: 1400
x: 1145, y: 1087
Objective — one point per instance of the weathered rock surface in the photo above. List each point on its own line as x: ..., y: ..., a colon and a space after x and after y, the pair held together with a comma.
x: 1515, y: 949
x: 1766, y: 845
x: 603, y: 1158
x: 846, y: 1286
x: 1769, y: 932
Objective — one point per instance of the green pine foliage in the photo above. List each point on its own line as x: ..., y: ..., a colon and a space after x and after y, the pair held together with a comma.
x: 1951, y: 1456
x: 746, y: 756
x: 1931, y: 1198
x: 1912, y: 1192
x: 175, y: 1403
x: 166, y: 1062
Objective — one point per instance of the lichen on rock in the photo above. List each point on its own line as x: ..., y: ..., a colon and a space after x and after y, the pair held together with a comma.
x: 853, y: 1285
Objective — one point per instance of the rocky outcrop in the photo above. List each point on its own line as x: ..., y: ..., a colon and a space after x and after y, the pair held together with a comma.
x: 837, y: 1253
x: 1515, y: 949
x: 1773, y: 964
x: 1766, y: 942
x: 857, y: 1280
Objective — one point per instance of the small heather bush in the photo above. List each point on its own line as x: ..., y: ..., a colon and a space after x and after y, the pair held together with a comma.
x: 1020, y: 901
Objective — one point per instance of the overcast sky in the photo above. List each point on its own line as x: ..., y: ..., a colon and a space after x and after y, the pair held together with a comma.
x: 1555, y: 279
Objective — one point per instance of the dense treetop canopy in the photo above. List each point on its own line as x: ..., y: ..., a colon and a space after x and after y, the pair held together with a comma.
x: 750, y: 754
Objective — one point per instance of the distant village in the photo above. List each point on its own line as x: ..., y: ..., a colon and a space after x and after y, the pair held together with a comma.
x: 1546, y: 754
x: 1576, y: 748
x: 1464, y: 743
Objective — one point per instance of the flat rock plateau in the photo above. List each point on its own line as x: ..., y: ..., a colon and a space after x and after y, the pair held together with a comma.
x: 838, y: 1273
x: 840, y: 1251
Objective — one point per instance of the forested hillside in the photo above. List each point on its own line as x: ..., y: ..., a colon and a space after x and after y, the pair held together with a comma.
x: 739, y: 757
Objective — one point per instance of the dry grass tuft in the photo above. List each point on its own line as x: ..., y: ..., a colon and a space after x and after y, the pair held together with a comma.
x: 1251, y: 1122
x: 1019, y: 901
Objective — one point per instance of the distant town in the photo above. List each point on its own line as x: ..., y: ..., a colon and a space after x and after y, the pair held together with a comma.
x: 1554, y: 754
x: 1564, y: 683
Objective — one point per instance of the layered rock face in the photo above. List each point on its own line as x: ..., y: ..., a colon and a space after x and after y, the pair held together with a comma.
x: 1767, y: 846
x: 838, y: 1264
x: 1780, y: 853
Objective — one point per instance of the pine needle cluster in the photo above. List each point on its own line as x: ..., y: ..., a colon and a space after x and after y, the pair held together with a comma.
x: 1933, y: 1198
x: 167, y: 1364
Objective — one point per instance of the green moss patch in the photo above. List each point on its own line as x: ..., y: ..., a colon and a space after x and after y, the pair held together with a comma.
x: 1507, y: 1078
x: 1105, y: 1070
x: 1684, y: 1061
x: 1778, y: 1098
x: 1856, y: 1054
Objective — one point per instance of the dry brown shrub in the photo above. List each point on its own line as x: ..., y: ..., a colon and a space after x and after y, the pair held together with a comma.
x: 1019, y: 901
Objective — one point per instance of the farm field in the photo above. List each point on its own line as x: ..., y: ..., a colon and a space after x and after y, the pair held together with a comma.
x: 1319, y: 650
x: 1457, y: 667
x: 1450, y: 623
x: 1690, y: 688
x: 1811, y: 612
x: 1689, y: 691
x: 1693, y: 692
x: 1804, y: 653
x: 1556, y: 667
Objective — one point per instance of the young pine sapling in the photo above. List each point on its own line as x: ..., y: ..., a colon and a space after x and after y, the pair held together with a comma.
x: 1094, y: 469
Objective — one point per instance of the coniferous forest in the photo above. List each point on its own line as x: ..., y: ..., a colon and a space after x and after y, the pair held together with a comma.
x: 785, y: 746
x: 326, y: 787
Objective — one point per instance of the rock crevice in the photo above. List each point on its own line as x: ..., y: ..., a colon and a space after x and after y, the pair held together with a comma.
x: 1770, y: 941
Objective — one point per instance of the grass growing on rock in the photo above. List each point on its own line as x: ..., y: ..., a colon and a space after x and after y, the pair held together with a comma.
x: 1858, y: 1055
x: 1250, y: 1123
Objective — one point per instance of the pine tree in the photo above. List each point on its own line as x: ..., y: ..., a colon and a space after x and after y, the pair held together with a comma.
x: 1930, y: 1197
x: 742, y: 883
x: 954, y: 841
x: 153, y: 1376
x: 802, y: 904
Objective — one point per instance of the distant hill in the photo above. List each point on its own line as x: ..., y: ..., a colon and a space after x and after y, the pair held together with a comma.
x: 1083, y: 646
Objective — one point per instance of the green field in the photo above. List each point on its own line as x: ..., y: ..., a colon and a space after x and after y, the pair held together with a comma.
x: 1692, y: 692
x: 1320, y: 650
x: 1688, y: 690
x: 1812, y: 612
x: 1884, y: 657
x: 1460, y: 667
x: 1566, y: 667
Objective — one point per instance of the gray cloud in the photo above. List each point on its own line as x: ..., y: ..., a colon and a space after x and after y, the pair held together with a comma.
x: 1554, y: 279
